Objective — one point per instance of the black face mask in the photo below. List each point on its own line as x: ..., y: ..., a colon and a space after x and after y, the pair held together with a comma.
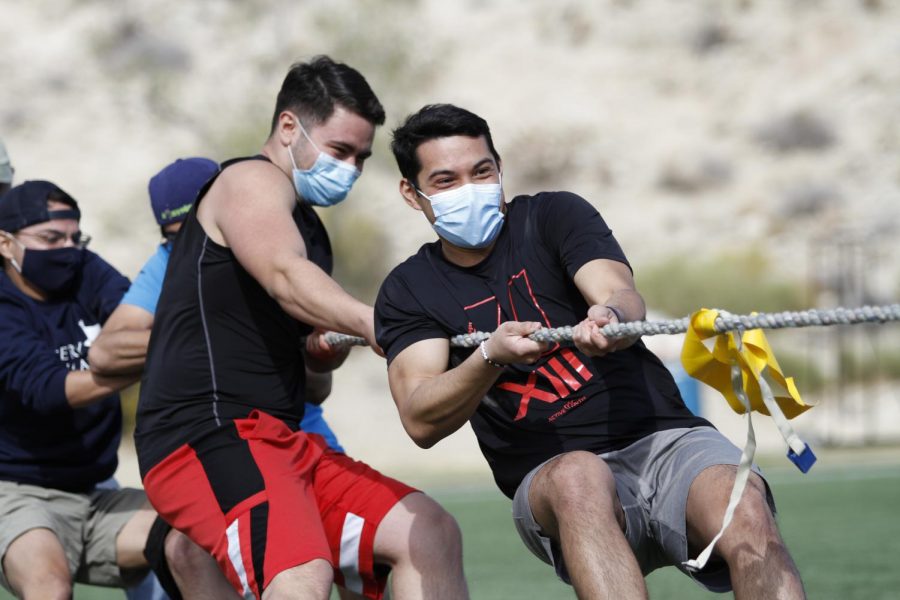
x: 53, y: 271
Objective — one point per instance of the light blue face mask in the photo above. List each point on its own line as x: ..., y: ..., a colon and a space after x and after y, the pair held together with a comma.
x: 327, y: 182
x: 468, y: 216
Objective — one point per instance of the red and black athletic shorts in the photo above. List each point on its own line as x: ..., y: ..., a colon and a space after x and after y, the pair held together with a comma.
x: 262, y: 499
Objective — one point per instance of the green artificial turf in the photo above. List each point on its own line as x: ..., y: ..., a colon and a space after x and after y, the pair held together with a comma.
x: 839, y: 524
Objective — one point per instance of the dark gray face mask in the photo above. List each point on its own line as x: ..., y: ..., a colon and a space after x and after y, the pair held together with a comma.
x: 53, y: 271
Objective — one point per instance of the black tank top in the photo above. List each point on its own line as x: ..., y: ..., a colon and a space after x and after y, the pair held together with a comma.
x: 220, y: 345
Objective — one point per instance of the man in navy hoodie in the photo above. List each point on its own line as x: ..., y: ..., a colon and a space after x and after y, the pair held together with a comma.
x: 60, y: 424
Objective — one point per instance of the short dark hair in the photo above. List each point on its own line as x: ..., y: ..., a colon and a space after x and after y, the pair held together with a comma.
x: 435, y: 121
x: 312, y: 89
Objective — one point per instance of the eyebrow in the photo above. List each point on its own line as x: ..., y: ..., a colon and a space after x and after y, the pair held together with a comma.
x: 475, y: 167
x: 348, y: 148
x: 434, y: 174
x: 341, y: 146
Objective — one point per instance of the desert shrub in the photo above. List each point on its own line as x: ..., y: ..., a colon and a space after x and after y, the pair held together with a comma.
x: 807, y: 376
x: 808, y: 199
x: 550, y: 155
x: 710, y: 36
x: 694, y: 174
x: 361, y: 250
x: 801, y: 130
x: 739, y: 283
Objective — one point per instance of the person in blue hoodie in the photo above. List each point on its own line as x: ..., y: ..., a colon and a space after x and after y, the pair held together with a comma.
x: 60, y: 424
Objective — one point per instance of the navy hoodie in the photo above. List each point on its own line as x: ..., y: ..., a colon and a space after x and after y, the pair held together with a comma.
x: 44, y: 441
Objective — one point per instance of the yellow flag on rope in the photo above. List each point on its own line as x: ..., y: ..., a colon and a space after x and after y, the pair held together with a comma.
x: 761, y: 386
x: 753, y: 355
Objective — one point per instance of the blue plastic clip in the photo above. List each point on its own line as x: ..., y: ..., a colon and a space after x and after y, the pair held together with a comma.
x: 805, y: 460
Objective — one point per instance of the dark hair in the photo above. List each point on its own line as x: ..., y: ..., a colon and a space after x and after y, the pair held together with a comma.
x: 312, y: 89
x: 435, y: 121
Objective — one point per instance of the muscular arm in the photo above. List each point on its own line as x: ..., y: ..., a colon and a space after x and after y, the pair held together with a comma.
x: 610, y: 283
x: 606, y: 283
x: 84, y: 387
x: 318, y: 387
x: 250, y: 206
x: 121, y: 347
x: 433, y: 402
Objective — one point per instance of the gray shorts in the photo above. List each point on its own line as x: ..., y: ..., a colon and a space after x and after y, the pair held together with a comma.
x: 86, y: 524
x: 653, y: 477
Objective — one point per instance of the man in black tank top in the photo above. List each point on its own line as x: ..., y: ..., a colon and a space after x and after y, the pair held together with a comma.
x: 611, y: 476
x: 218, y: 445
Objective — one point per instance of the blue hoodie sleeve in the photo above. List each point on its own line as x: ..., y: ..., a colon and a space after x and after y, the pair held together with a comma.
x: 147, y: 286
x: 29, y: 368
x: 103, y: 286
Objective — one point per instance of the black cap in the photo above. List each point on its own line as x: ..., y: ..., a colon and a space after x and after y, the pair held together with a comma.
x: 26, y: 204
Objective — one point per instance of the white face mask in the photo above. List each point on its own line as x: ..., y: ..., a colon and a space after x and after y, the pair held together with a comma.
x: 327, y: 182
x: 468, y: 216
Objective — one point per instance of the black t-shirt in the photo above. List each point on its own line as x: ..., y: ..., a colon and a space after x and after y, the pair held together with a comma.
x: 220, y: 345
x: 566, y: 400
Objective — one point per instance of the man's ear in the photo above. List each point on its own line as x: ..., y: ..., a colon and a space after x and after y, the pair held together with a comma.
x: 6, y: 243
x: 286, y: 128
x: 410, y: 196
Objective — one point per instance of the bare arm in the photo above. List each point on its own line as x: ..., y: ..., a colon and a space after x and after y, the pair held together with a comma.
x: 322, y: 357
x: 250, y: 206
x: 433, y: 402
x: 607, y: 286
x: 321, y: 360
x: 318, y: 387
x: 83, y: 388
x: 121, y: 347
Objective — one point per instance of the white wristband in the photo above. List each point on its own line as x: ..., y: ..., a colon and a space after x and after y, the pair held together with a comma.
x: 487, y: 359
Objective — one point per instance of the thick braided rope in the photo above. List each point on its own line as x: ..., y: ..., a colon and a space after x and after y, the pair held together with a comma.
x: 725, y: 321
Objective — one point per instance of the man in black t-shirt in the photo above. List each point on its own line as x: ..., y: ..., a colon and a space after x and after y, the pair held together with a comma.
x: 610, y: 475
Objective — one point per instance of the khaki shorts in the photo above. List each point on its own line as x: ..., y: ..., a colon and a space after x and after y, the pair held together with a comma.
x: 86, y: 524
x: 653, y: 477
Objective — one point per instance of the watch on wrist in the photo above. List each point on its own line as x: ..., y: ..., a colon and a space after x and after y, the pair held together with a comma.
x: 616, y: 312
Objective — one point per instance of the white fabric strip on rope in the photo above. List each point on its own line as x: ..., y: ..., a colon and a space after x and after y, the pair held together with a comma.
x: 743, y: 470
x: 800, y: 453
